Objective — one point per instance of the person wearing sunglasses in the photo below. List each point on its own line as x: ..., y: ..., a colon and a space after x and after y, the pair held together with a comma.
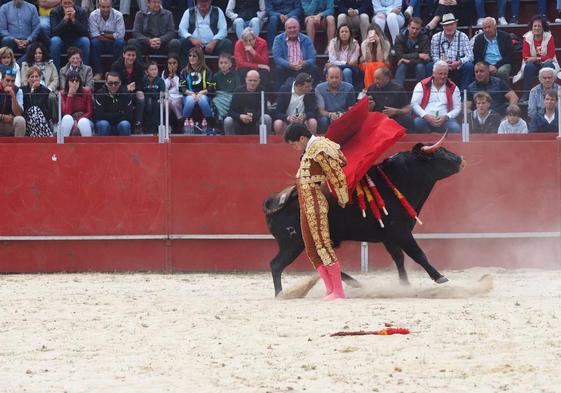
x: 12, y: 122
x: 113, y: 107
x: 195, y: 81
x: 77, y: 107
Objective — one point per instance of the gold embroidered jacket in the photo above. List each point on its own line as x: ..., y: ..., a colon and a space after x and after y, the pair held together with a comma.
x: 323, y: 161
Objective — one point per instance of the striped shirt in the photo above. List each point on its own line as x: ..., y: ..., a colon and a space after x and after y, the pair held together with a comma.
x: 294, y: 51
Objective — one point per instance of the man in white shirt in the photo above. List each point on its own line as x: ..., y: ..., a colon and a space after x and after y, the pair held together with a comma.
x: 204, y: 26
x: 436, y: 102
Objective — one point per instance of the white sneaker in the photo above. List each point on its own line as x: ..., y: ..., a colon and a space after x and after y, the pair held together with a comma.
x: 502, y: 21
x: 409, y: 11
x: 479, y: 21
x: 558, y: 20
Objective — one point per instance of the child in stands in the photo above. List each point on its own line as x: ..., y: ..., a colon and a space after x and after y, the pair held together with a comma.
x: 153, y: 85
x: 226, y: 80
x: 513, y: 123
x: 8, y: 62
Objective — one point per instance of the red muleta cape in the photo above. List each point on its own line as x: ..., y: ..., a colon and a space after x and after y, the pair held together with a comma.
x: 363, y: 137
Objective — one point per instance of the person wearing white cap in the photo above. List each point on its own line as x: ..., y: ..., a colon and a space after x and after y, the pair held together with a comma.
x: 453, y: 47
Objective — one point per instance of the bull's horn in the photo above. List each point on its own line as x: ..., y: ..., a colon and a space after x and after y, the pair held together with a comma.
x: 432, y: 148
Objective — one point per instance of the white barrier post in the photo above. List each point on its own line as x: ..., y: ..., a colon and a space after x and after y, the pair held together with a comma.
x: 465, y: 126
x: 262, y: 126
x: 166, y: 138
x: 161, y: 127
x: 363, y: 257
x: 59, y: 134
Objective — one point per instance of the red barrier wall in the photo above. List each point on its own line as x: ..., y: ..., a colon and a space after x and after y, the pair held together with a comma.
x: 216, y: 185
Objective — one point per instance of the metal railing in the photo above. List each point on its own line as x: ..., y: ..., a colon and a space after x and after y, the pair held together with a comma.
x: 164, y: 130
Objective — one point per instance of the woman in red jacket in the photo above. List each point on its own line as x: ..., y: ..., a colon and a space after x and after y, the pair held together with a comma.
x: 538, y: 51
x: 77, y: 107
x: 251, y: 53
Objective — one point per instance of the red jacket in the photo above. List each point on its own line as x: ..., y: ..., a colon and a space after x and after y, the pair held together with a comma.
x: 550, y: 49
x: 426, y: 84
x: 78, y: 103
x: 244, y: 60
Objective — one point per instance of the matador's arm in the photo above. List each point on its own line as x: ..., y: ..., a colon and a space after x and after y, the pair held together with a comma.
x: 334, y: 174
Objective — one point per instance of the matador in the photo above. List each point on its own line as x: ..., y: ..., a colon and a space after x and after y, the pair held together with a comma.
x: 321, y: 164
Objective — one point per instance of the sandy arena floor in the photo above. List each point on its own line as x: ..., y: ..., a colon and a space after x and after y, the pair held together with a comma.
x: 226, y: 333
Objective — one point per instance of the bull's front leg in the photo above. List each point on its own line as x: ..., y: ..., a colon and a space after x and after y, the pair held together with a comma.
x: 397, y: 255
x: 288, y: 252
x: 409, y: 245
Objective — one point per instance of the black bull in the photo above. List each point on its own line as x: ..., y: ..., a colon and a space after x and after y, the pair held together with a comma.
x: 414, y: 173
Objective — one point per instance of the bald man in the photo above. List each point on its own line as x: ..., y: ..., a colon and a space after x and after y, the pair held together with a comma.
x: 244, y: 115
x: 294, y: 53
x: 495, y: 48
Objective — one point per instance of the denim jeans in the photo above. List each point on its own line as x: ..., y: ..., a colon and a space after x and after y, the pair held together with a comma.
x: 422, y: 71
x: 45, y: 22
x: 462, y: 76
x: 423, y: 127
x: 100, y: 47
x: 58, y: 45
x: 104, y: 128
x: 189, y: 104
x: 272, y: 26
x: 240, y: 24
x: 323, y: 124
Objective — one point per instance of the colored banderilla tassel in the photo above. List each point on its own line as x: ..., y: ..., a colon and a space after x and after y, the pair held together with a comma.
x: 373, y: 205
x: 360, y: 198
x: 383, y: 332
x: 404, y: 202
x: 379, y: 201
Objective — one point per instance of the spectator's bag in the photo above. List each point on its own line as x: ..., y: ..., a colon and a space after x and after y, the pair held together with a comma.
x: 36, y: 123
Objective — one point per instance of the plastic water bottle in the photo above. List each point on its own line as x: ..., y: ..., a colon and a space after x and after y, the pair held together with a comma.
x: 186, y: 126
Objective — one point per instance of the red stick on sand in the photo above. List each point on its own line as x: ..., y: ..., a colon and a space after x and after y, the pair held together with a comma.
x: 383, y: 332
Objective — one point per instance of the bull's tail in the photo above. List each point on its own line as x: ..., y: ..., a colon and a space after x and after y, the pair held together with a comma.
x: 300, y: 290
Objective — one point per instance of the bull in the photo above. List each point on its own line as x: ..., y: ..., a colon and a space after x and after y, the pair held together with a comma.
x: 413, y: 172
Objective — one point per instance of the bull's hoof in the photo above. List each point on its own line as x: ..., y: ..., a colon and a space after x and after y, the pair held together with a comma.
x: 441, y: 280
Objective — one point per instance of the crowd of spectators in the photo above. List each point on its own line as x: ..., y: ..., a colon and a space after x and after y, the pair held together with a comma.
x: 367, y: 43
